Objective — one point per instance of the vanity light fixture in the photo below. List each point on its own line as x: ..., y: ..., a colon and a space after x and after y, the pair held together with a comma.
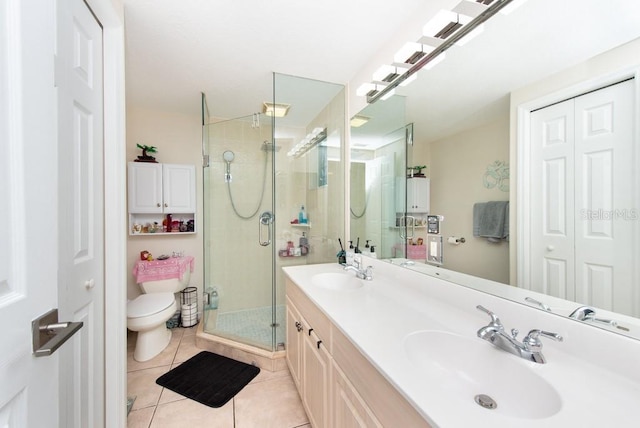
x: 358, y: 120
x: 443, y: 31
x: 312, y: 139
x: 275, y: 110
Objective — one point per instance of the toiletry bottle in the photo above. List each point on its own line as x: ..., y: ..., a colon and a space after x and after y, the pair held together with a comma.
x: 302, y: 216
x: 350, y: 254
x: 304, y: 244
x: 372, y: 252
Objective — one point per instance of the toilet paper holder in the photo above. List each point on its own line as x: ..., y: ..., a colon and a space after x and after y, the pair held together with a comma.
x: 455, y: 240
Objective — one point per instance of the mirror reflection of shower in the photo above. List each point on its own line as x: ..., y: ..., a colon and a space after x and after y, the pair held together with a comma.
x: 228, y: 156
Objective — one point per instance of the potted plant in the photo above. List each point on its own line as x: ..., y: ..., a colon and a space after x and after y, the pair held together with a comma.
x: 145, y: 157
x: 416, y: 171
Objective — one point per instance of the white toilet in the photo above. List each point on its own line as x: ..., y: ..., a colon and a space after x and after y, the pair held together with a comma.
x: 148, y: 314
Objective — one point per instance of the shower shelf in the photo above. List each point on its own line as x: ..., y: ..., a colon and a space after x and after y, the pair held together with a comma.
x: 303, y: 225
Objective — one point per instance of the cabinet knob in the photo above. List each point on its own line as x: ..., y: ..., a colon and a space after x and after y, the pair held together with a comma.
x: 166, y: 205
x: 298, y: 326
x: 158, y: 205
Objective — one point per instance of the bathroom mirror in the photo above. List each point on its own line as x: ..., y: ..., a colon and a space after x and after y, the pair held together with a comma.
x: 464, y: 112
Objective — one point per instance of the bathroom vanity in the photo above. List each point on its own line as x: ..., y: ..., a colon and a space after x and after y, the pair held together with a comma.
x: 402, y: 350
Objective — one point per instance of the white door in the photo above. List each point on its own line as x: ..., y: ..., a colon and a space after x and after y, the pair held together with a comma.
x: 552, y: 203
x: 28, y: 211
x: 582, y: 234
x: 80, y: 212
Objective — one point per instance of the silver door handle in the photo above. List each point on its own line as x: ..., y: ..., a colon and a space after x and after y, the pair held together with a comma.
x: 48, y: 334
x: 266, y: 219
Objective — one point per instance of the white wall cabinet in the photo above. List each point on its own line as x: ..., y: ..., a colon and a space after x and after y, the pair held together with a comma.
x: 155, y: 190
x: 418, y: 193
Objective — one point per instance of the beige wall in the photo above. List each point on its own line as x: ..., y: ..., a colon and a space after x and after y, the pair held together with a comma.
x: 178, y: 139
x: 456, y: 166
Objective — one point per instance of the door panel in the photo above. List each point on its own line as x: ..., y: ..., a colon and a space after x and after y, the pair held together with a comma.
x: 80, y: 222
x: 583, y: 229
x: 605, y: 251
x: 551, y: 200
x: 28, y: 245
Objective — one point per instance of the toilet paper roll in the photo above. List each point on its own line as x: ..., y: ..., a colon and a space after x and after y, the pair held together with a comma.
x: 453, y: 240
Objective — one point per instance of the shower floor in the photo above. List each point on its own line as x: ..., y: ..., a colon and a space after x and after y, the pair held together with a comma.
x: 252, y: 325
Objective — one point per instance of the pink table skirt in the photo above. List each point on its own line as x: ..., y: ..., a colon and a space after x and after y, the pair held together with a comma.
x: 157, y: 270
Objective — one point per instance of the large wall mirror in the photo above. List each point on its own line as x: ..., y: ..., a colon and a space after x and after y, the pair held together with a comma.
x: 469, y: 119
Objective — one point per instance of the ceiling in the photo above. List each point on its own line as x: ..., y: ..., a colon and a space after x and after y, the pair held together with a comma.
x: 229, y: 49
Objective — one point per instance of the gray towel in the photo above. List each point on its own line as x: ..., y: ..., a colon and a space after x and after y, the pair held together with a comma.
x: 491, y: 220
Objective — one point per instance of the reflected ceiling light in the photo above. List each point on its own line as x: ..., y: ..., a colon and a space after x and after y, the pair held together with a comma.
x: 358, y: 120
x: 275, y: 110
x: 386, y: 74
x: 448, y: 27
x: 411, y: 53
x: 311, y: 140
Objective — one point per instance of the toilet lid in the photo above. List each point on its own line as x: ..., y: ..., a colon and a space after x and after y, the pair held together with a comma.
x: 149, y: 304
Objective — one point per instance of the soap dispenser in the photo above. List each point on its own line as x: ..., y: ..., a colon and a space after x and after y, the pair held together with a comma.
x: 350, y: 254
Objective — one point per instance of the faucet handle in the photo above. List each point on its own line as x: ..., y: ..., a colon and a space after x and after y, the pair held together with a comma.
x: 533, y: 343
x: 495, y: 321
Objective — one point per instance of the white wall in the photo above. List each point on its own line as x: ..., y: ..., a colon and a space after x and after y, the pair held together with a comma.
x: 178, y: 138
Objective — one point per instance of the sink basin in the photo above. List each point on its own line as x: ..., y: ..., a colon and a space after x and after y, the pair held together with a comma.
x: 466, y: 367
x: 336, y: 281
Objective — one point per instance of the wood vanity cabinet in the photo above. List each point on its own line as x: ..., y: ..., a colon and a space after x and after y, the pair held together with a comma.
x: 310, y: 365
x: 339, y: 387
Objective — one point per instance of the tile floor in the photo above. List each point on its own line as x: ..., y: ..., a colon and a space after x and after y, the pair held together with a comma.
x: 270, y: 400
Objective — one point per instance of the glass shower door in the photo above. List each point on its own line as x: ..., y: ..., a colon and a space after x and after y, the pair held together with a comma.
x: 239, y: 231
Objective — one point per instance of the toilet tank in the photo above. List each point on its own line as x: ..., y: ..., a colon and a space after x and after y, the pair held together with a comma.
x: 167, y: 285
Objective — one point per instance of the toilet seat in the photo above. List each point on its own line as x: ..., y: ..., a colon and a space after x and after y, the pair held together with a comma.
x: 149, y: 304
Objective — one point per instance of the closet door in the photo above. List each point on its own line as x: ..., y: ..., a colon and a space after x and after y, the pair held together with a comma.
x: 604, y: 233
x: 584, y: 199
x: 552, y: 200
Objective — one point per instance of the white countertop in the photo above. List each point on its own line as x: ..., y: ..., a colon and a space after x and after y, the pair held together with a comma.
x: 596, y: 374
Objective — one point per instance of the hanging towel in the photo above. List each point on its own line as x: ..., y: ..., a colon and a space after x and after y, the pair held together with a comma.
x: 491, y: 220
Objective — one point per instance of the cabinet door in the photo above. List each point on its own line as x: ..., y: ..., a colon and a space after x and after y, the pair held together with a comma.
x: 349, y: 409
x: 179, y: 188
x: 418, y: 195
x: 315, y: 379
x: 294, y: 336
x: 145, y: 187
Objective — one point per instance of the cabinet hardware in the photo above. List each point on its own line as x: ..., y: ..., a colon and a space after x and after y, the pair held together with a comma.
x: 310, y: 330
x: 318, y: 343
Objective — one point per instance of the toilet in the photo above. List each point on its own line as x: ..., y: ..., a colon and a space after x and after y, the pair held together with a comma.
x: 148, y: 314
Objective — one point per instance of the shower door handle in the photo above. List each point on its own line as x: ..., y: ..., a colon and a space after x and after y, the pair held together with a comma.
x: 265, y: 219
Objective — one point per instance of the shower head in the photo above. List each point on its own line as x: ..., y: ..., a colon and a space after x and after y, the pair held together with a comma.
x: 228, y: 156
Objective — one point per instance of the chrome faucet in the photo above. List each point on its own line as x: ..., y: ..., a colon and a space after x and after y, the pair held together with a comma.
x: 586, y: 313
x: 530, y: 348
x: 366, y: 273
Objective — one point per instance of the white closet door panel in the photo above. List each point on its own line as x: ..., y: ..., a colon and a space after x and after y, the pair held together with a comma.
x: 605, y: 196
x: 551, y: 195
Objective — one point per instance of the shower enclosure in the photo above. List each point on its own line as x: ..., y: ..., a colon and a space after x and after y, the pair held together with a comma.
x: 255, y: 181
